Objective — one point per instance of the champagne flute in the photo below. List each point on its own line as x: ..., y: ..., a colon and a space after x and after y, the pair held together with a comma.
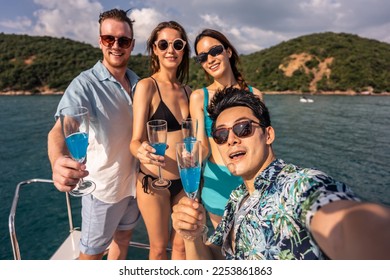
x: 75, y: 127
x: 189, y: 129
x: 157, y: 134
x: 189, y: 162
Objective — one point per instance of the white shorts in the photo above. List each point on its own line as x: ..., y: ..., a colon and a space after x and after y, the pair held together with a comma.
x: 100, y: 220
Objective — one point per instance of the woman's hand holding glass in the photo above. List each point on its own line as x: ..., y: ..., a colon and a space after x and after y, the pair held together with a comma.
x: 157, y: 134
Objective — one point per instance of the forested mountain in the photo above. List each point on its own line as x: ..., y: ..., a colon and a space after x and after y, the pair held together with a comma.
x: 312, y: 63
x: 322, y: 62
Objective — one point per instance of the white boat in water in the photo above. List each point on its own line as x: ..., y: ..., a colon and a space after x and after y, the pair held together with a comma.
x: 305, y: 99
x: 69, y: 249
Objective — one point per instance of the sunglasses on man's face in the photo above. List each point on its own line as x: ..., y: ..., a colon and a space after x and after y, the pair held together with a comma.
x: 241, y: 129
x: 178, y: 44
x: 109, y: 41
x: 214, y: 51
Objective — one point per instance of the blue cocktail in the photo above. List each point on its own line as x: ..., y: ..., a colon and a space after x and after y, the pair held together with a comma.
x: 190, y: 178
x: 160, y: 148
x: 157, y: 135
x: 75, y: 127
x: 77, y: 145
x: 189, y: 162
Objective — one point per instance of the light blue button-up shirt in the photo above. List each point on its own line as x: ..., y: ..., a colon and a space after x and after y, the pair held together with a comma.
x: 109, y: 161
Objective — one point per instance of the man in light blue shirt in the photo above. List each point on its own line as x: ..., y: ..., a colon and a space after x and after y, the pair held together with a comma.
x: 110, y: 213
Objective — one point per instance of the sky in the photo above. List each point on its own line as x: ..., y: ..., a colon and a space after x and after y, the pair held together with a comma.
x: 251, y: 25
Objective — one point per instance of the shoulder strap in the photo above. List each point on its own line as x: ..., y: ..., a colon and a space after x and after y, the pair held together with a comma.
x: 205, y: 98
x: 250, y: 89
x: 158, y: 89
x: 184, y: 87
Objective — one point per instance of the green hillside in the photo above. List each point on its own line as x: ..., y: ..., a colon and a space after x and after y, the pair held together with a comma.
x: 35, y: 64
x: 321, y: 62
x: 312, y: 63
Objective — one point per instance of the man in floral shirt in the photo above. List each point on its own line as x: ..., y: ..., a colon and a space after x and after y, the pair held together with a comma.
x: 281, y: 211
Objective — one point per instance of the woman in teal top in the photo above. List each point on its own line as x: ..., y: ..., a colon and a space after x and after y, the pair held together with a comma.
x: 219, y: 60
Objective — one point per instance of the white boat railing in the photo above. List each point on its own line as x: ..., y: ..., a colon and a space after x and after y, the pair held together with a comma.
x: 69, y: 249
x: 11, y: 219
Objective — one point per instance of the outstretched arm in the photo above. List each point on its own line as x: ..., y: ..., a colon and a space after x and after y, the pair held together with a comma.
x: 353, y: 230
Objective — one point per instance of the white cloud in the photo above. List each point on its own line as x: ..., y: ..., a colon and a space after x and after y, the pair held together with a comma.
x: 250, y: 25
x: 145, y: 21
x: 21, y: 23
x: 75, y: 19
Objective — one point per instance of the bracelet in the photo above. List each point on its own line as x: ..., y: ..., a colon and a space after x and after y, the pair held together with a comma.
x: 205, y: 230
x: 203, y: 233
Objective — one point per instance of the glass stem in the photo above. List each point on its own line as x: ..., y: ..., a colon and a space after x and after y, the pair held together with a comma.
x: 159, y: 174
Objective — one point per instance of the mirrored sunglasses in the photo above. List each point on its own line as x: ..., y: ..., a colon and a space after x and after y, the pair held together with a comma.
x: 178, y: 44
x: 214, y: 51
x: 241, y: 129
x: 109, y: 41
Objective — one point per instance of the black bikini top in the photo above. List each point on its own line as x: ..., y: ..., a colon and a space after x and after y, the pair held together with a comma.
x: 163, y: 112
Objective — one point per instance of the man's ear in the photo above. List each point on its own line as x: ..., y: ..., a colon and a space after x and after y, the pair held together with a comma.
x: 132, y: 45
x: 270, y: 135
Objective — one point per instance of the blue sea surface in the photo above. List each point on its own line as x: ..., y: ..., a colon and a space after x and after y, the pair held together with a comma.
x: 348, y: 137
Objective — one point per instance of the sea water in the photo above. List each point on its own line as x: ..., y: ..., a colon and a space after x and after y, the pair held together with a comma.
x: 348, y: 137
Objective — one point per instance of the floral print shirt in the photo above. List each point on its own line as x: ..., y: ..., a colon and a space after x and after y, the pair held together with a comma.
x: 274, y: 222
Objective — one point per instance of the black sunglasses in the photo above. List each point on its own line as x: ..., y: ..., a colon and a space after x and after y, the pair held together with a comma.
x: 214, y: 51
x: 241, y: 129
x: 178, y: 44
x: 109, y: 41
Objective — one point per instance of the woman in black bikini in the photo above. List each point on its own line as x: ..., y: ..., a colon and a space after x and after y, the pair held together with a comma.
x: 161, y: 96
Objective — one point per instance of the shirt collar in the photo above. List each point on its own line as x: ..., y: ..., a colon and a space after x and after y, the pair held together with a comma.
x: 269, y: 173
x: 102, y: 73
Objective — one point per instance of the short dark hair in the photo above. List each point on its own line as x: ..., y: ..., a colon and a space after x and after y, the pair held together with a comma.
x: 117, y: 14
x: 233, y: 97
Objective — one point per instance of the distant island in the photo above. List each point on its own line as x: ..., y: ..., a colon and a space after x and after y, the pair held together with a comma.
x: 321, y: 63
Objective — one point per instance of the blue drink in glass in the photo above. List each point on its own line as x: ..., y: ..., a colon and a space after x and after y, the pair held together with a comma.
x: 157, y: 134
x: 160, y: 148
x: 189, y: 162
x: 190, y: 178
x: 189, y: 141
x: 75, y: 127
x: 77, y: 145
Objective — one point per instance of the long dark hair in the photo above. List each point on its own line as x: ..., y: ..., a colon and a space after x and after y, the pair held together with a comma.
x: 183, y: 70
x: 234, y: 59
